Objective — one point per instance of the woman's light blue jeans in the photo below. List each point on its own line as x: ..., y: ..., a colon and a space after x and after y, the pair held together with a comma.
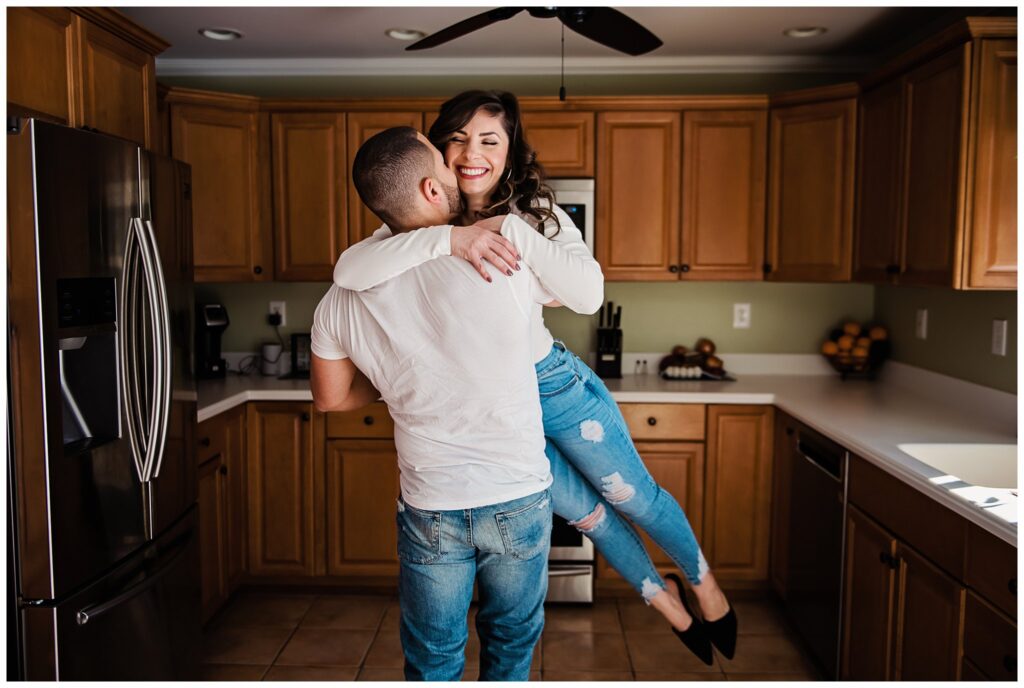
x: 598, y: 476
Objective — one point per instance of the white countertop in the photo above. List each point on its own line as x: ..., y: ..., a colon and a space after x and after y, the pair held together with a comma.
x: 907, y: 405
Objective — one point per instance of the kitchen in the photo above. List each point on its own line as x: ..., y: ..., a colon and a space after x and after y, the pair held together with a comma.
x: 781, y: 196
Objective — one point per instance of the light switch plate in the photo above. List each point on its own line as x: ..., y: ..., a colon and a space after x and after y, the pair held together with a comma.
x: 921, y: 324
x: 741, y: 316
x: 999, y: 337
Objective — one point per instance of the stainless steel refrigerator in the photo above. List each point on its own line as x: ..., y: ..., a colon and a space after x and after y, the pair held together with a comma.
x: 103, y: 545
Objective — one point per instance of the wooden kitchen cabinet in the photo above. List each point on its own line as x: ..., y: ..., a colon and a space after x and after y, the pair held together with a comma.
x: 361, y: 126
x: 876, y: 255
x: 784, y: 444
x: 678, y: 467
x: 934, y: 99
x: 937, y: 202
x: 39, y: 60
x: 564, y: 141
x: 638, y: 172
x: 810, y: 185
x: 225, y: 140
x: 282, y: 511
x: 310, y: 194
x: 212, y: 498
x: 362, y: 493
x: 737, y: 492
x: 724, y: 166
x: 118, y: 85
x: 868, y: 597
x: 220, y: 455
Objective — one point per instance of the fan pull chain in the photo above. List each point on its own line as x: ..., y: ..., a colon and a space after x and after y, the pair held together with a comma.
x: 561, y: 90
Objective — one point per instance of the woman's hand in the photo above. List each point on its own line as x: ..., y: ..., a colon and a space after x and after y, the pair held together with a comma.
x: 481, y: 241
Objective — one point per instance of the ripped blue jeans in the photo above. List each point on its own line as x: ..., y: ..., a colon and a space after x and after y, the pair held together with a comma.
x: 599, y: 476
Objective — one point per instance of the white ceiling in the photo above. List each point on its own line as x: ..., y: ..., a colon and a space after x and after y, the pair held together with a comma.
x: 318, y: 40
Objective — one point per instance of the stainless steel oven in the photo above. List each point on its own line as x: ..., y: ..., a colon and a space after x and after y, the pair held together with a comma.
x: 576, y: 198
x: 571, y: 565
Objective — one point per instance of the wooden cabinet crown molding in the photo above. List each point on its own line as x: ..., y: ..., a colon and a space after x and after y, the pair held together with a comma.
x: 962, y: 31
x: 123, y: 27
x: 226, y: 101
x: 815, y: 95
x: 526, y: 103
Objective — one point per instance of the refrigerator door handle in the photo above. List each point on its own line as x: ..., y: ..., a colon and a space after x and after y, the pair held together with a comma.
x: 93, y: 611
x: 126, y: 332
x: 157, y: 353
x: 163, y: 399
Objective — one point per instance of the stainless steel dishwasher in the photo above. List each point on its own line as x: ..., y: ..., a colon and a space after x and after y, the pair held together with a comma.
x: 815, y: 557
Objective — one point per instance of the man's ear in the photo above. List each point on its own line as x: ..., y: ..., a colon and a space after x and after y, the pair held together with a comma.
x: 430, y: 191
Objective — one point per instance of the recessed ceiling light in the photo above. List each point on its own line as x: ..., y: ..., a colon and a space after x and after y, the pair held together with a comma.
x: 220, y: 34
x: 405, y: 34
x: 805, y: 31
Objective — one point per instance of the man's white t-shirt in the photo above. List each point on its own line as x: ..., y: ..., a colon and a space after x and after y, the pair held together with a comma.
x: 451, y: 356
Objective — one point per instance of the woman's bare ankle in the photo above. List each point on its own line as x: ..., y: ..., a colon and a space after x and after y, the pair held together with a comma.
x: 669, y: 606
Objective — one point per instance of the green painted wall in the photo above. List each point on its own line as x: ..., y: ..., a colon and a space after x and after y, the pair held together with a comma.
x: 959, y: 332
x: 785, y: 318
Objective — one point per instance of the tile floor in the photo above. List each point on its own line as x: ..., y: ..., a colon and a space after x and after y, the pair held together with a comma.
x: 346, y: 637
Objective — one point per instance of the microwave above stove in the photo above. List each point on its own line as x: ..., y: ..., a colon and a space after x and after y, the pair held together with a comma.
x: 576, y: 198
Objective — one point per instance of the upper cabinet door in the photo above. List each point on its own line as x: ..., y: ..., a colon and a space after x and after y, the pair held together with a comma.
x: 879, y: 182
x: 39, y: 43
x: 223, y: 147
x: 992, y: 243
x: 810, y: 216
x: 935, y: 101
x: 361, y: 126
x: 637, y: 229
x: 564, y: 141
x: 118, y: 85
x: 310, y: 194
x: 724, y: 158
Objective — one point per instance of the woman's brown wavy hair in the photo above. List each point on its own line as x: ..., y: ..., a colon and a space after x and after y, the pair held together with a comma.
x: 523, y: 174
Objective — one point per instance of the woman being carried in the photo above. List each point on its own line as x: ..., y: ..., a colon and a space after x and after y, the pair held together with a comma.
x: 481, y: 137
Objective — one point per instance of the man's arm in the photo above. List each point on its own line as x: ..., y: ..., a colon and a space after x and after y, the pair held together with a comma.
x: 338, y: 385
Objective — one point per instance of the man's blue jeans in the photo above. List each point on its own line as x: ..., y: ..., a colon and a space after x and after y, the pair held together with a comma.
x: 504, y: 547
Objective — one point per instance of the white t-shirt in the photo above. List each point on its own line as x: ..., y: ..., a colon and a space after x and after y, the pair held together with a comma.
x: 560, y: 259
x: 450, y: 354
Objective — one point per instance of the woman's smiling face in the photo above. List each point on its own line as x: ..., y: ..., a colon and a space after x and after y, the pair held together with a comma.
x: 477, y: 153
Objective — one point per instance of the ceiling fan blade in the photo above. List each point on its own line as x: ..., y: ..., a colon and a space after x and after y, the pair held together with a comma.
x: 609, y: 27
x: 465, y: 26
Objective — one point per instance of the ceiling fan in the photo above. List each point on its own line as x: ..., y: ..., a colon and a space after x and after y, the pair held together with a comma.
x: 605, y: 25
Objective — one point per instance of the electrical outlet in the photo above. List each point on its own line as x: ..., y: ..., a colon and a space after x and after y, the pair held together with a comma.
x: 278, y: 307
x: 999, y: 337
x: 741, y: 316
x: 921, y: 324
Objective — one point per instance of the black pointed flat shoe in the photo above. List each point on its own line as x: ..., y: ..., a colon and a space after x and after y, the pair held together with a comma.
x: 722, y: 633
x: 695, y: 638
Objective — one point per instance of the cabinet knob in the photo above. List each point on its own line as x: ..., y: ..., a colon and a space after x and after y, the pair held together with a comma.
x: 368, y: 420
x: 1012, y: 585
x: 789, y: 431
x: 258, y: 269
x: 888, y: 559
x: 224, y: 470
x: 767, y: 267
x: 652, y: 421
x: 684, y: 267
x: 1010, y: 663
x: 673, y: 269
x: 205, y: 441
x: 305, y: 416
x: 892, y: 269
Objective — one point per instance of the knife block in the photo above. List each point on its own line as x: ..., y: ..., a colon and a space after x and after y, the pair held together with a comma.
x: 609, y: 352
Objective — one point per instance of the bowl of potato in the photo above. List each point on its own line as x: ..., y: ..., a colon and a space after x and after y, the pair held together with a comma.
x: 857, y: 350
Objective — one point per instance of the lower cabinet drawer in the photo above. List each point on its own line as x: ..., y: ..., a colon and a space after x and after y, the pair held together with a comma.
x: 664, y: 421
x: 992, y: 569
x: 371, y: 421
x: 990, y: 640
x: 211, y: 439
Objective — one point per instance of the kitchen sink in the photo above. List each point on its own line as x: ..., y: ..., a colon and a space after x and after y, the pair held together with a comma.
x: 983, y: 465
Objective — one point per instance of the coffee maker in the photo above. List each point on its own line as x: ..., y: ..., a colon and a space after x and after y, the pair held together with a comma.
x: 211, y: 321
